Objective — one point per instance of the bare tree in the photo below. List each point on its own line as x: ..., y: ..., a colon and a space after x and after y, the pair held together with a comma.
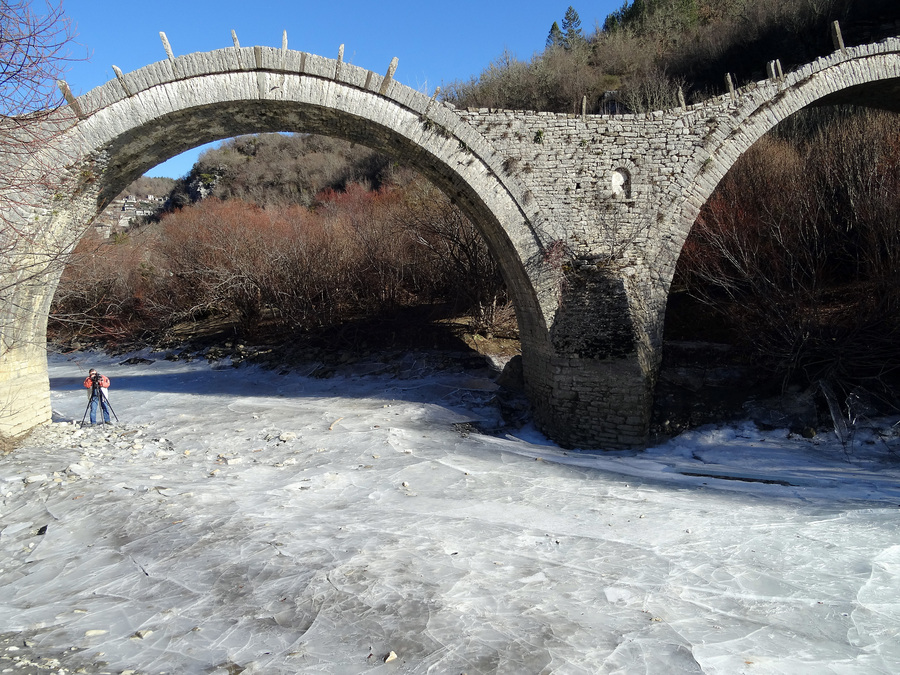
x: 33, y: 52
x: 34, y: 47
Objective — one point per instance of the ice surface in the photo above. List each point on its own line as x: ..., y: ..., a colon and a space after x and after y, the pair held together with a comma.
x: 243, y: 521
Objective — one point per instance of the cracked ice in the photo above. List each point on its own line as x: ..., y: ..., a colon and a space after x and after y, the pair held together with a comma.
x: 237, y: 520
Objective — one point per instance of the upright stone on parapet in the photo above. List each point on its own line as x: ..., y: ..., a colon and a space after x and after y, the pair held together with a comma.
x: 386, y: 82
x: 260, y: 75
x: 121, y: 79
x: 340, y: 60
x: 836, y: 37
x: 437, y: 90
x: 730, y: 84
x: 168, y: 48
x: 237, y: 49
x: 70, y: 99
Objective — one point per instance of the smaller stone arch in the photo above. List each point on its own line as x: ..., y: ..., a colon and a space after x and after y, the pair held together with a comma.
x: 865, y: 75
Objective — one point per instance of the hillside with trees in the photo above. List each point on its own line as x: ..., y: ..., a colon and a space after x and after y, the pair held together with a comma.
x: 145, y: 185
x: 280, y: 170
x: 648, y: 49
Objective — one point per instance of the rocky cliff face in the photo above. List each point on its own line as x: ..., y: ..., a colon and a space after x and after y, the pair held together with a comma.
x: 199, y: 184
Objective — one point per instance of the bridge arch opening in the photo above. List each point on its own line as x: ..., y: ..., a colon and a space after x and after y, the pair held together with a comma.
x: 301, y: 262
x: 792, y: 266
x: 133, y: 153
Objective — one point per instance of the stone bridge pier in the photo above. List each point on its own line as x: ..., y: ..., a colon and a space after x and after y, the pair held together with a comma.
x: 586, y: 214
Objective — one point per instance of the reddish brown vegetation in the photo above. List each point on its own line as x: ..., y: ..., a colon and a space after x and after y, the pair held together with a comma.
x: 354, y: 254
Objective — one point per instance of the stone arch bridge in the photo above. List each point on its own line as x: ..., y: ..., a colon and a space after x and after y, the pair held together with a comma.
x: 586, y: 214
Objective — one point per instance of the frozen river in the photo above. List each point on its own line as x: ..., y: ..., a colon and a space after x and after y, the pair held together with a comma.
x: 242, y: 521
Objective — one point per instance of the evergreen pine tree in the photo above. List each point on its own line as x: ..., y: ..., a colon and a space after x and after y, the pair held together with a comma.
x: 556, y: 37
x: 571, y: 27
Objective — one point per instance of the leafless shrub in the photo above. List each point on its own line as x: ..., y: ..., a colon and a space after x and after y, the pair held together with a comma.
x: 556, y: 80
x: 798, y: 249
x: 355, y: 254
x: 463, y: 269
x: 654, y: 90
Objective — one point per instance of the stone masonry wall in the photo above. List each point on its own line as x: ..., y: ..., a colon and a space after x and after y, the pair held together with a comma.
x: 24, y: 390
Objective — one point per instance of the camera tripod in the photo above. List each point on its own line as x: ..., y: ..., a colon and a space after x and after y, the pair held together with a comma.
x: 102, y: 400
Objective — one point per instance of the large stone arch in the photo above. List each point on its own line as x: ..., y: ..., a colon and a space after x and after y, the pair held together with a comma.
x: 136, y: 121
x: 127, y: 126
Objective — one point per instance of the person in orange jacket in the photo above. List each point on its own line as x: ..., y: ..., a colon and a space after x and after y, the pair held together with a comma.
x: 99, y: 386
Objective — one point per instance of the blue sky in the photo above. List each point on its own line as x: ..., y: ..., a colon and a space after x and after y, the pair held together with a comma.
x: 435, y: 43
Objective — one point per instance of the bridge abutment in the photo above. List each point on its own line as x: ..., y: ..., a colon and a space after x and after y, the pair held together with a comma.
x: 24, y: 382
x: 24, y: 389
